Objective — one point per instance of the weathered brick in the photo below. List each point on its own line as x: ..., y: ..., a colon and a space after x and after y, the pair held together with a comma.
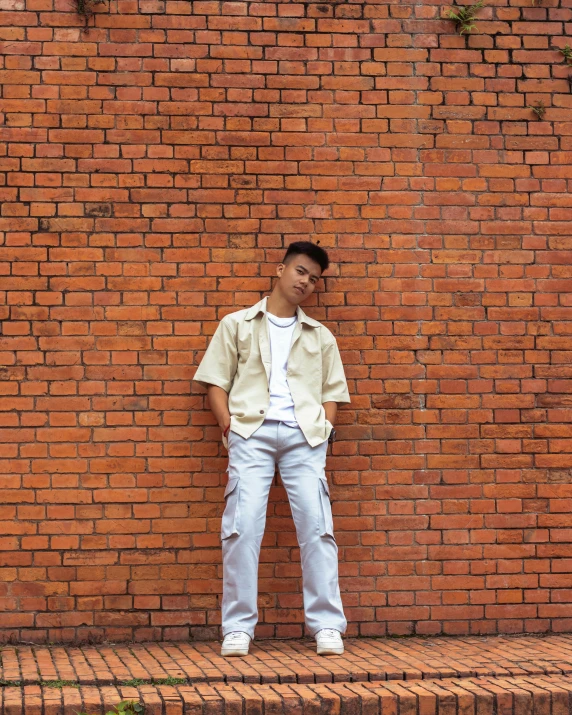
x: 153, y: 170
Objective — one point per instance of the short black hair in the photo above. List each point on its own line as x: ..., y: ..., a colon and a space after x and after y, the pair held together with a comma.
x: 312, y: 250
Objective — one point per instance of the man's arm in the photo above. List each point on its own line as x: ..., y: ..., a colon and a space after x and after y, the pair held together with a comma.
x: 334, y: 386
x: 218, y: 401
x: 331, y: 409
x: 217, y: 370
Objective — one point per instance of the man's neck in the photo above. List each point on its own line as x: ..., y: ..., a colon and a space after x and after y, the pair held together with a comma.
x: 280, y: 307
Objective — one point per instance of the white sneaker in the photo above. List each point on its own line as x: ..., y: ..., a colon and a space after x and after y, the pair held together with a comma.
x: 329, y: 642
x: 235, y: 643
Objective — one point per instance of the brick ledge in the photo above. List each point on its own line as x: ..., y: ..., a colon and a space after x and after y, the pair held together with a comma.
x: 289, y: 662
x: 541, y: 695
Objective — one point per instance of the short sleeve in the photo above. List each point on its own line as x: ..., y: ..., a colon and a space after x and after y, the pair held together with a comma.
x: 334, y: 385
x: 219, y: 363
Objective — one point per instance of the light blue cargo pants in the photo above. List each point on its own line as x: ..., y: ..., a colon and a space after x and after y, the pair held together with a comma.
x: 251, y: 471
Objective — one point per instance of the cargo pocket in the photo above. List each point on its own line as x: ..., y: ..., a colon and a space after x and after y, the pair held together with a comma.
x: 231, y: 515
x: 326, y: 519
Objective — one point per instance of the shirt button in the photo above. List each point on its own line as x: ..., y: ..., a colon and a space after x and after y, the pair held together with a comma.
x: 261, y: 412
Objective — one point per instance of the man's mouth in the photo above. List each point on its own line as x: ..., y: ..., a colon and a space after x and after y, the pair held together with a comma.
x: 299, y: 289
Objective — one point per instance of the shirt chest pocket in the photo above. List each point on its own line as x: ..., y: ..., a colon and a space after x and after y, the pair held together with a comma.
x: 311, y: 352
x: 305, y: 362
x: 247, y: 348
x: 309, y: 344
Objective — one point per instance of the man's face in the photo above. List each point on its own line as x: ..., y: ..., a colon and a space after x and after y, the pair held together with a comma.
x: 298, y: 277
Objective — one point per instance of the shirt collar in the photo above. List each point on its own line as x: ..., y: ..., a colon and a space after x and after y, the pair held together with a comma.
x: 260, y: 307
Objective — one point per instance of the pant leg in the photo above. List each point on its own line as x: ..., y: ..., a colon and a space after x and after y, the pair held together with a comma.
x: 302, y: 469
x: 251, y: 465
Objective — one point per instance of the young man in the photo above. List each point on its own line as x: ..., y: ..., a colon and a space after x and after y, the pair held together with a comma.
x: 274, y: 377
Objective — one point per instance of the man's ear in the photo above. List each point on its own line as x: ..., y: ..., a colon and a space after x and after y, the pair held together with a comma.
x: 279, y: 269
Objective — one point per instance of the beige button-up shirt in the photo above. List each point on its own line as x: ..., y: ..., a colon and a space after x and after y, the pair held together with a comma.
x: 238, y: 360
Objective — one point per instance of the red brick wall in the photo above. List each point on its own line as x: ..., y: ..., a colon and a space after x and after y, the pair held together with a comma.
x: 153, y: 169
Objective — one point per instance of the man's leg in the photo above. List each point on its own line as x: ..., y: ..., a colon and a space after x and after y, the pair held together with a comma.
x: 302, y: 472
x: 251, y: 464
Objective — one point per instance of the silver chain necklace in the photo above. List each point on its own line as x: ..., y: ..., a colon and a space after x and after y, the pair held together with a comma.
x: 282, y: 326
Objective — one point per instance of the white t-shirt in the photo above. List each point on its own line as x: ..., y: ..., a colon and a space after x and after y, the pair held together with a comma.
x: 280, y: 332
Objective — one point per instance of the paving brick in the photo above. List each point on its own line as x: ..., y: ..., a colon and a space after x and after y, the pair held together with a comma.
x: 435, y: 660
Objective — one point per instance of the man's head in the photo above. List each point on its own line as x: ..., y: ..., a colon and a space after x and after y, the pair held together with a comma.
x: 300, y: 270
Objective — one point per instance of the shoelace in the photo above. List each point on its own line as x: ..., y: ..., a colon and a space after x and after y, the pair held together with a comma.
x: 330, y: 633
x: 235, y: 636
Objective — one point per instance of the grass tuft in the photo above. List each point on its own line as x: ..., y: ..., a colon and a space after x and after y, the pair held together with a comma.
x: 86, y: 8
x: 464, y: 18
x: 539, y: 109
x: 566, y: 52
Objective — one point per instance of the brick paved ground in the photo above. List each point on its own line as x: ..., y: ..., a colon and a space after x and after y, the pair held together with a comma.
x: 479, y: 676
